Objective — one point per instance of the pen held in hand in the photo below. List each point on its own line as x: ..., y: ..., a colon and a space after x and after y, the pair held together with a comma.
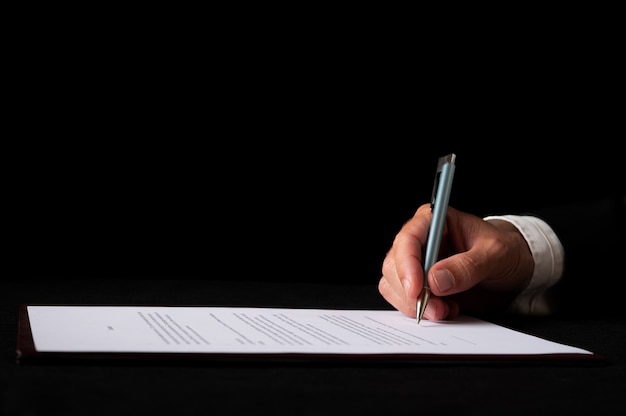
x: 439, y: 207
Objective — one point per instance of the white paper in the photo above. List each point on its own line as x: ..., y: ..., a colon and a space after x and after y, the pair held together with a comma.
x: 175, y: 329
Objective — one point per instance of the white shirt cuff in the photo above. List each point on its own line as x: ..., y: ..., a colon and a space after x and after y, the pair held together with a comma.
x: 548, y: 255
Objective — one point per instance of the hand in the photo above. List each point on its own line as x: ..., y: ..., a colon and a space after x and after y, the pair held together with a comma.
x: 483, y: 266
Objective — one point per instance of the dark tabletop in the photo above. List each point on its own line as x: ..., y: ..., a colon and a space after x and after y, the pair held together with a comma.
x: 304, y: 387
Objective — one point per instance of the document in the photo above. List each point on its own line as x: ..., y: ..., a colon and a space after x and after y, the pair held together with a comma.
x: 260, y: 331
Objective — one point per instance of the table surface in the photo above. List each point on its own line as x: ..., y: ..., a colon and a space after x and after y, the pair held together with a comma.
x: 303, y: 387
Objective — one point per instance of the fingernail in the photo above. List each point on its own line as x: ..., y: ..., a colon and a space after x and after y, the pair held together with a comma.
x: 443, y: 279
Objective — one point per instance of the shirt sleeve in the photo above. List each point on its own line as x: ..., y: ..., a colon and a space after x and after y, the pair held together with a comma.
x: 548, y: 255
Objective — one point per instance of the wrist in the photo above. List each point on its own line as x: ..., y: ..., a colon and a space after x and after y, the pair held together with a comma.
x: 548, y: 258
x: 524, y: 262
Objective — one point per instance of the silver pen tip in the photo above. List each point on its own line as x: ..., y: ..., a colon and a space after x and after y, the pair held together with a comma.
x: 422, y: 301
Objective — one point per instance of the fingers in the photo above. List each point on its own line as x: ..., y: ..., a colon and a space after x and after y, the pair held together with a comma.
x: 439, y: 309
x: 486, y: 255
x: 475, y: 255
x: 456, y: 274
x: 406, y: 254
x: 403, y: 276
x: 397, y: 298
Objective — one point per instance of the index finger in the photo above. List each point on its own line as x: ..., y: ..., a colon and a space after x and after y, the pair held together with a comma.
x: 408, y: 251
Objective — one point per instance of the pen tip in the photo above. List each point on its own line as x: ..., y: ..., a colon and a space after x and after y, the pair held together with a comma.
x: 421, y: 304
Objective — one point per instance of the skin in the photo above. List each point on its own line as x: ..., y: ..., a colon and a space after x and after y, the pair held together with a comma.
x: 482, y: 266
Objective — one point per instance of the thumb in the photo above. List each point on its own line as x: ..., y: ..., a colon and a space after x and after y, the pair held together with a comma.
x: 458, y: 273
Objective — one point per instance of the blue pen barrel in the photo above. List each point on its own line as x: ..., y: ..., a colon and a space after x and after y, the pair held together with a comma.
x: 439, y: 208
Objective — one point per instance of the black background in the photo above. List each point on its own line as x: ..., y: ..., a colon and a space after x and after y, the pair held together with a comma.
x: 273, y: 211
x: 280, y: 157
x: 248, y: 149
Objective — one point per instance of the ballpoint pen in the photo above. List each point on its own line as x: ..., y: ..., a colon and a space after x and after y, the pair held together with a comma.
x: 439, y: 207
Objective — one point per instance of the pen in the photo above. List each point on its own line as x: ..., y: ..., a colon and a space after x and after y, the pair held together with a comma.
x: 439, y: 207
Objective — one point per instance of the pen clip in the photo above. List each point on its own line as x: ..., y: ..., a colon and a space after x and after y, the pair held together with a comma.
x: 450, y: 158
